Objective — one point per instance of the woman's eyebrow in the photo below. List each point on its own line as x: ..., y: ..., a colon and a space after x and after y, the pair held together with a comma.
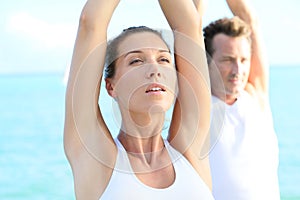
x: 140, y: 51
x: 164, y: 50
x: 131, y: 52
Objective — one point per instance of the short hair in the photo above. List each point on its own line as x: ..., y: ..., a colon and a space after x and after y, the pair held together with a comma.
x: 233, y: 27
x: 112, y: 47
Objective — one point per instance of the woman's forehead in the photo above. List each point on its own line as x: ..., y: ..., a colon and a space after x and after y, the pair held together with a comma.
x: 141, y: 40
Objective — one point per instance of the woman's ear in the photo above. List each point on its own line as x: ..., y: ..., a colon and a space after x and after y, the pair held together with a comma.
x: 110, y: 88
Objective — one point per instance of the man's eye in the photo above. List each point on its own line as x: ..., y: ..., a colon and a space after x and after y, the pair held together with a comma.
x: 244, y: 60
x: 227, y: 59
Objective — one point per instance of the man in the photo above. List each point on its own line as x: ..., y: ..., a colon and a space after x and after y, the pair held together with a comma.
x: 244, y: 158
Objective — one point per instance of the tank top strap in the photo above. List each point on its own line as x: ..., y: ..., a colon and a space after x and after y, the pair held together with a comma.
x: 122, y: 162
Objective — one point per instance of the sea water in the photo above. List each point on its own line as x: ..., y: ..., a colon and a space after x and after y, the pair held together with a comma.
x: 32, y: 160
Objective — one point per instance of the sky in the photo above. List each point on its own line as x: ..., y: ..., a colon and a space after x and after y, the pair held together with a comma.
x: 38, y: 36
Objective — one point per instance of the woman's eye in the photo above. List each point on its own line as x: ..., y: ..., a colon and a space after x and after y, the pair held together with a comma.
x: 165, y: 60
x: 135, y: 61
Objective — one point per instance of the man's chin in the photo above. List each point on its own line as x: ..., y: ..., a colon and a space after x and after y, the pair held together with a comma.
x: 234, y: 93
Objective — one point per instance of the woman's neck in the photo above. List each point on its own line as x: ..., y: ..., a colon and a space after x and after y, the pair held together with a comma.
x: 141, y: 137
x: 136, y: 145
x: 142, y: 125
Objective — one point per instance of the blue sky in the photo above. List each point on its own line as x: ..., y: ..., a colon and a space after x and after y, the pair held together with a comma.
x: 38, y: 36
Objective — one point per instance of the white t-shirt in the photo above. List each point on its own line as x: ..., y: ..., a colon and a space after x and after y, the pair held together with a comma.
x: 244, y: 158
x: 125, y: 185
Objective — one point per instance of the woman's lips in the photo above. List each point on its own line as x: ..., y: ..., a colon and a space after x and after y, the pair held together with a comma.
x: 155, y: 88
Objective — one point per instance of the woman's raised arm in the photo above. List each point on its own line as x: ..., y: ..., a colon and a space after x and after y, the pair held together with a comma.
x: 191, y: 116
x: 85, y: 133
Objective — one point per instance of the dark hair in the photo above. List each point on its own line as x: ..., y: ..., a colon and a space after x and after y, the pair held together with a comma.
x: 234, y: 27
x: 112, y: 47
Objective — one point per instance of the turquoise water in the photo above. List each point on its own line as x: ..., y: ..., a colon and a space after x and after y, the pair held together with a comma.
x: 32, y: 160
x: 285, y: 99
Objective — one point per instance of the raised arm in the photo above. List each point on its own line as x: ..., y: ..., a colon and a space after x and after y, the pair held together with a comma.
x: 200, y: 6
x: 191, y: 116
x: 84, y: 125
x: 259, y: 73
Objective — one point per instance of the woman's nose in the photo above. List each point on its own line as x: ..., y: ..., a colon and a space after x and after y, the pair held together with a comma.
x: 153, y: 71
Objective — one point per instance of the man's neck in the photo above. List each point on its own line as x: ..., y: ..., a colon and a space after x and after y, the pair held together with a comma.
x: 228, y: 99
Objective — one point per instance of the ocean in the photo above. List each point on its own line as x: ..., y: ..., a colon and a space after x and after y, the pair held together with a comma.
x: 32, y: 160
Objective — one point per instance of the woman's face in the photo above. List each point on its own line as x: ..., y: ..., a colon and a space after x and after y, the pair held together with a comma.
x: 145, y: 78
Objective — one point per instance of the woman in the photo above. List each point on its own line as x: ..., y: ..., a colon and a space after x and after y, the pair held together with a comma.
x: 140, y: 76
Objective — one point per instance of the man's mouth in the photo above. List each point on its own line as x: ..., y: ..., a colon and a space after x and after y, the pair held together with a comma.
x: 235, y: 80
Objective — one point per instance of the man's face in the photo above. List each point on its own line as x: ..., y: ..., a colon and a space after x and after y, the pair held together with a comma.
x: 232, y: 59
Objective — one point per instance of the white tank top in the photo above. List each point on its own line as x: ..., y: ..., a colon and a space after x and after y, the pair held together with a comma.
x: 125, y: 185
x: 244, y: 160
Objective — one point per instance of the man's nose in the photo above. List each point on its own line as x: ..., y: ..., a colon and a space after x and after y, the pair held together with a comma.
x: 236, y: 67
